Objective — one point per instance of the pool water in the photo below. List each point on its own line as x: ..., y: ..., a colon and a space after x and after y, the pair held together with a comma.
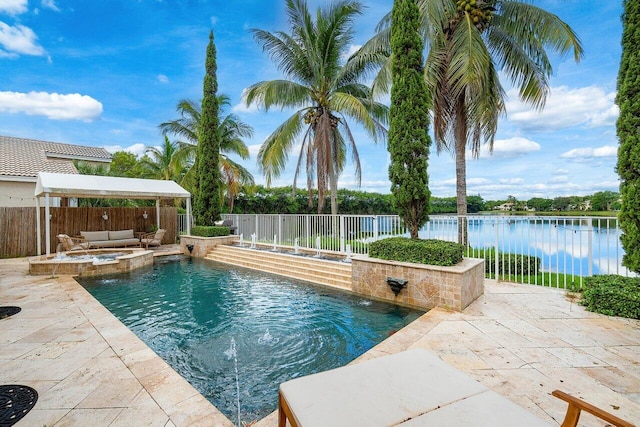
x: 203, y: 318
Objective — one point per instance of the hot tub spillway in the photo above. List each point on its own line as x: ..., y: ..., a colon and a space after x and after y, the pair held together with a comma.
x: 332, y: 273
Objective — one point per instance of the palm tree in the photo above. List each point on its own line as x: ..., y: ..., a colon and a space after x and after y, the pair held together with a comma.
x: 468, y: 42
x: 323, y: 92
x: 231, y: 130
x: 166, y: 163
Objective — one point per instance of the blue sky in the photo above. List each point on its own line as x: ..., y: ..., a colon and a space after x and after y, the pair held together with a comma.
x: 107, y: 72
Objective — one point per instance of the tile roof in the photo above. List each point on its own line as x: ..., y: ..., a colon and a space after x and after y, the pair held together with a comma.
x: 26, y: 157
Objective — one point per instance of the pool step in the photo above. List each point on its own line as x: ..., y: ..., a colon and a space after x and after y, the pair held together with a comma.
x: 325, y: 272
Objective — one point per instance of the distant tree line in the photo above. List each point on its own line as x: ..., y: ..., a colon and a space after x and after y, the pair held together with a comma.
x: 600, y: 201
x: 282, y: 200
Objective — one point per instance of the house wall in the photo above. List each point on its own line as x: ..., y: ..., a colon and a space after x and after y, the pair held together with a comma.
x: 17, y: 194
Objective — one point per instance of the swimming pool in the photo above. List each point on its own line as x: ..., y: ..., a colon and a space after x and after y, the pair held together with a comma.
x: 205, y: 319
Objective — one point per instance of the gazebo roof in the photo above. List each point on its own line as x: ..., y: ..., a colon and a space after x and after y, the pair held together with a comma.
x: 67, y: 185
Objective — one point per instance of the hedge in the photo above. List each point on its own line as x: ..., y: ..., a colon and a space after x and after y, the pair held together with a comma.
x: 210, y: 230
x: 432, y: 252
x: 612, y: 295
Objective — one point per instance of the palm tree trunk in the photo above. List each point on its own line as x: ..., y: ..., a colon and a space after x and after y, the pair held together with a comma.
x: 460, y: 135
x: 333, y: 179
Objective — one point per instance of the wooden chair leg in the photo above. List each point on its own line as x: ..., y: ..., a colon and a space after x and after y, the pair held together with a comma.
x: 282, y: 417
x: 284, y: 413
x: 571, y: 417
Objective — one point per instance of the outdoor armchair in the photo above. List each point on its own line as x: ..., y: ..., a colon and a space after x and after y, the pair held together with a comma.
x: 72, y: 243
x: 152, y: 239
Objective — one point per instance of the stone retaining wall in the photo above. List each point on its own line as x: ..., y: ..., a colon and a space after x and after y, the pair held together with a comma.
x: 203, y: 245
x: 428, y: 286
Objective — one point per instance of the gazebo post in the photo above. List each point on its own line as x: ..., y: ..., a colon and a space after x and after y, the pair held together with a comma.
x: 38, y: 238
x: 47, y: 224
x: 158, y: 213
x: 189, y: 215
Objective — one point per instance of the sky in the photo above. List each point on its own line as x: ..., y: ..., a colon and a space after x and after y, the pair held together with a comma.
x: 106, y: 73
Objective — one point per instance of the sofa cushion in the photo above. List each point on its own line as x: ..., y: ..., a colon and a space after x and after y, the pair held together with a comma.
x: 122, y: 234
x: 115, y: 243
x: 95, y: 235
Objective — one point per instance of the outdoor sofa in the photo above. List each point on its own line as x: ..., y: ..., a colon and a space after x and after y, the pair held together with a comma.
x: 110, y: 239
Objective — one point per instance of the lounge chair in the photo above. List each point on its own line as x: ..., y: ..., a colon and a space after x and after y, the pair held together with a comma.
x: 152, y: 239
x: 72, y: 243
x: 411, y: 388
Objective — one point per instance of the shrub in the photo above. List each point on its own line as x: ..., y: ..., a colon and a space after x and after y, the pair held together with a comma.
x: 612, y: 295
x: 433, y: 252
x: 510, y: 263
x: 209, y: 230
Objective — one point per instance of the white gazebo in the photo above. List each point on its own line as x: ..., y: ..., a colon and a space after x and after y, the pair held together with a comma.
x: 92, y: 186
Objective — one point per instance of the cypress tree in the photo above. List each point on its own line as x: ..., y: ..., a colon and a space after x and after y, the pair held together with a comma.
x: 208, y: 200
x: 628, y: 129
x: 409, y: 118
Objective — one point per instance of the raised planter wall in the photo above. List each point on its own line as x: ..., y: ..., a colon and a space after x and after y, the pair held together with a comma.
x: 203, y: 245
x: 428, y: 286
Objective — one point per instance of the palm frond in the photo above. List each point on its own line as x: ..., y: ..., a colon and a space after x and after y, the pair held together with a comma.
x: 278, y: 93
x: 274, y: 151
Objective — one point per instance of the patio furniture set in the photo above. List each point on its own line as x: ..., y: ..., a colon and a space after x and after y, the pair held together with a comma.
x: 111, y: 239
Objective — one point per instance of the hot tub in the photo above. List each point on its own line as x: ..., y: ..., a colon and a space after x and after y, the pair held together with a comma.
x: 91, y: 262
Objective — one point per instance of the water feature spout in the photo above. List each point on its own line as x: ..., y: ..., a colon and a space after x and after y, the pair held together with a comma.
x: 190, y: 248
x: 241, y: 240
x: 231, y: 353
x: 253, y: 241
x: 275, y: 242
x: 318, y: 246
x: 396, y: 285
x: 348, y: 251
x: 296, y: 246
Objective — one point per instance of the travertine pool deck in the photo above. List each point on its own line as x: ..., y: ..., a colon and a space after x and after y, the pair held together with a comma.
x: 520, y: 341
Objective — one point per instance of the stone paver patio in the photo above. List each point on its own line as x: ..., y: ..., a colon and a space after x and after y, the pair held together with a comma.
x: 521, y: 341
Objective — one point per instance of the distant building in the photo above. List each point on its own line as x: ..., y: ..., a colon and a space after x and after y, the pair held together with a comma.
x: 508, y: 206
x: 21, y: 159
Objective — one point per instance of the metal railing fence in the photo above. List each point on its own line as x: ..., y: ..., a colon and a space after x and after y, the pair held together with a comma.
x: 551, y: 251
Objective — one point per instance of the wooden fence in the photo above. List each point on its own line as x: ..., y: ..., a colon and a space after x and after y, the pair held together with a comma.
x: 18, y: 225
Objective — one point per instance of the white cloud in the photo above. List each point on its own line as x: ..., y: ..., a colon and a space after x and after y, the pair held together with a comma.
x: 19, y: 40
x: 253, y: 149
x: 352, y: 49
x: 50, y: 4
x: 512, y: 147
x: 559, y: 178
x: 561, y: 172
x: 588, y: 152
x: 137, y: 149
x: 163, y: 79
x: 55, y: 106
x: 243, y: 108
x: 588, y: 106
x: 214, y: 20
x: 511, y: 181
x: 13, y: 7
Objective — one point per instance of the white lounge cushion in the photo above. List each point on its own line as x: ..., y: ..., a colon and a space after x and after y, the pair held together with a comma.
x: 121, y: 234
x: 95, y: 235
